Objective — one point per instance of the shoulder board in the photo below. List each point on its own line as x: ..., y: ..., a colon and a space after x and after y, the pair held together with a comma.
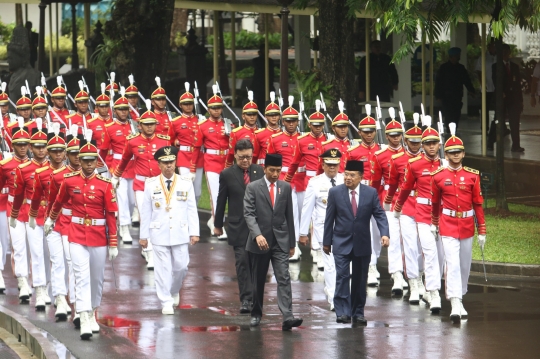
x: 397, y: 155
x: 25, y: 164
x: 353, y: 147
x: 277, y: 134
x: 71, y: 174
x: 163, y: 137
x: 305, y: 135
x: 70, y: 115
x: 201, y: 122
x: 59, y: 170
x: 109, y: 124
x: 91, y: 120
x: 129, y: 137
x: 5, y: 160
x: 176, y: 118
x: 437, y: 171
x: 185, y: 178
x: 260, y: 130
x: 13, y: 123
x: 42, y: 169
x: 103, y: 178
x: 237, y: 129
x: 471, y: 170
x: 414, y: 159
x: 328, y: 141
x: 380, y: 151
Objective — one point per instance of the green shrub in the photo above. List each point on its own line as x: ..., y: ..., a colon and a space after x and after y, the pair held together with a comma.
x: 250, y: 40
x: 3, y: 52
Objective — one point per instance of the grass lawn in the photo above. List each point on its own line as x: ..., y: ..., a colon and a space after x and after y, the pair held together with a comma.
x: 204, y: 201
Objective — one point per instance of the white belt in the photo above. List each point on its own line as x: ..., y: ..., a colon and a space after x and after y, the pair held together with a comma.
x: 185, y: 148
x: 10, y: 198
x: 284, y: 169
x: 88, y: 221
x: 301, y: 169
x: 386, y: 187
x: 452, y: 213
x: 423, y: 200
x: 5, y: 190
x: 365, y: 182
x: 117, y: 156
x: 260, y: 161
x: 216, y: 152
x: 412, y: 194
x: 311, y: 173
x: 29, y: 201
x: 67, y: 212
x: 141, y: 178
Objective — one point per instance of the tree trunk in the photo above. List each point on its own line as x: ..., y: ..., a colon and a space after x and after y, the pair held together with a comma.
x: 223, y: 73
x: 336, y: 43
x: 502, y: 205
x: 179, y: 23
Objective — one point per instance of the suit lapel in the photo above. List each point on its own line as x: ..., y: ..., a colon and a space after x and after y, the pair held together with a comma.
x: 347, y: 200
x: 360, y: 201
x: 239, y: 174
x: 264, y: 189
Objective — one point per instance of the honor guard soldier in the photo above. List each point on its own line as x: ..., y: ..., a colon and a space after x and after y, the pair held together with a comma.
x: 112, y: 86
x: 214, y: 136
x: 97, y: 123
x: 285, y: 144
x: 314, y: 212
x: 20, y: 141
x: 59, y: 112
x: 92, y: 228
x: 63, y: 222
x: 39, y: 106
x: 247, y: 131
x: 456, y: 211
x: 272, y: 113
x: 169, y: 221
x: 24, y: 110
x: 367, y: 129
x: 159, y: 101
x: 6, y: 119
x: 340, y: 126
x: 407, y: 248
x: 380, y: 175
x: 141, y: 147
x: 56, y: 149
x: 132, y: 94
x: 417, y: 180
x: 83, y: 115
x: 19, y: 218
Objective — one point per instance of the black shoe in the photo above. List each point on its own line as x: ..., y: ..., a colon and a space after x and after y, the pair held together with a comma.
x: 359, y: 320
x: 291, y: 323
x: 518, y: 149
x: 345, y: 319
x: 245, y: 308
x: 255, y: 321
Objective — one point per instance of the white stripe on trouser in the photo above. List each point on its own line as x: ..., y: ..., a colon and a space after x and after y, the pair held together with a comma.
x: 139, y: 197
x: 297, y: 202
x: 125, y: 200
x: 89, y: 269
x: 170, y: 269
x: 409, y: 234
x: 329, y: 274
x: 458, y: 256
x: 70, y: 274
x: 395, y: 261
x: 37, y: 255
x: 4, y: 239
x: 212, y: 180
x: 375, y: 242
x: 58, y: 268
x: 20, y: 254
x: 433, y: 256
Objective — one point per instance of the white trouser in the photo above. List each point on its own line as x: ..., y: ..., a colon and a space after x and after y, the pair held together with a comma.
x: 297, y: 202
x: 375, y: 242
x: 170, y: 269
x: 125, y: 200
x: 212, y: 181
x: 433, y: 256
x: 458, y: 255
x: 70, y: 274
x: 20, y: 253
x: 89, y: 268
x: 197, y: 183
x: 409, y: 236
x: 4, y: 239
x: 58, y: 268
x: 329, y: 274
x: 139, y: 197
x: 395, y: 261
x: 37, y: 255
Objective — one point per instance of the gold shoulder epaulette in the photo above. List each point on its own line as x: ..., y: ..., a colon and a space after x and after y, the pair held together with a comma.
x: 5, y: 160
x: 237, y: 129
x: 42, y: 169
x: 276, y: 134
x: 59, y: 170
x: 71, y: 115
x: 71, y: 174
x: 380, y: 151
x: 129, y: 137
x: 353, y: 147
x: 176, y: 118
x: 201, y: 122
x: 472, y: 170
x: 163, y: 137
x: 109, y: 124
x: 437, y: 171
x: 25, y: 164
x: 397, y: 155
x: 260, y: 130
x: 103, y: 178
x: 414, y: 159
x: 327, y: 141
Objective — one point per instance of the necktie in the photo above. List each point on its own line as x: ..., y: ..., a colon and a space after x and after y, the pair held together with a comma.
x: 333, y: 181
x: 246, y: 177
x: 168, y: 185
x: 353, y: 203
x: 272, y: 194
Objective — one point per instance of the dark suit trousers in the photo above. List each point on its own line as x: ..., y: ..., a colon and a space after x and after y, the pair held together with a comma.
x: 243, y: 273
x: 512, y: 113
x: 259, y: 270
x: 350, y: 302
x: 451, y: 109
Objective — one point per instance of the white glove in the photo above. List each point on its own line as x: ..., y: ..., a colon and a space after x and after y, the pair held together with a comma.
x: 115, y: 180
x: 32, y: 222
x: 48, y: 226
x: 481, y: 240
x: 7, y: 154
x: 113, y: 253
x: 192, y: 176
x: 444, y: 162
x: 386, y: 206
x: 435, y: 231
x: 12, y: 222
x: 397, y: 214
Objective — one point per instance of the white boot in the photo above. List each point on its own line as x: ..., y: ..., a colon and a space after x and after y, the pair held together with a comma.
x: 314, y: 255
x: 320, y: 261
x: 150, y: 262
x: 421, y: 288
x: 126, y: 236
x: 45, y: 295
x: 414, y: 297
x: 167, y: 310
x: 24, y: 289
x: 135, y: 216
x: 176, y: 300
x: 405, y: 283
x: 144, y: 255
x: 435, y: 304
x: 297, y: 255
x: 40, y: 301
x: 426, y: 298
x: 376, y: 271
x: 455, y: 315
x: 61, y: 305
x: 224, y: 235
x: 372, y: 280
x: 210, y: 225
x: 77, y: 320
x: 93, y: 322
x: 86, y: 327
x: 2, y: 283
x: 397, y: 288
x: 463, y: 311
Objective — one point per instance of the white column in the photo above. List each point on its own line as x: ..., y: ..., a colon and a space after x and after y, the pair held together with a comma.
x: 302, y: 49
x: 404, y: 92
x: 458, y: 38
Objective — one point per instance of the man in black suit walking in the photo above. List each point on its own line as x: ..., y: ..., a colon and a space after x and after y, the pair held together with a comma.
x: 269, y: 216
x: 232, y: 186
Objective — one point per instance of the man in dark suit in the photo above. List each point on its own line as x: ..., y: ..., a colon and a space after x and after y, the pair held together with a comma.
x: 269, y: 216
x: 513, y: 100
x: 232, y: 187
x: 347, y: 235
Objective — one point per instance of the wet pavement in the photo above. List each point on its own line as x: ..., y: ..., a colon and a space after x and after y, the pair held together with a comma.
x: 504, y: 317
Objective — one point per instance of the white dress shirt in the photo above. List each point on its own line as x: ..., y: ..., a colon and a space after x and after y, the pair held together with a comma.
x: 357, y: 194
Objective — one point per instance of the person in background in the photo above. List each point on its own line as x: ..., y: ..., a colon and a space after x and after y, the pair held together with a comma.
x: 383, y: 75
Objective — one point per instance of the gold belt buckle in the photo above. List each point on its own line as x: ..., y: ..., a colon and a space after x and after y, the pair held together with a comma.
x: 459, y: 214
x: 87, y: 221
x: 43, y: 203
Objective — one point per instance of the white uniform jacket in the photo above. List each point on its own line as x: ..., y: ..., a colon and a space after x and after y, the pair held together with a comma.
x: 314, y: 206
x: 169, y: 218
